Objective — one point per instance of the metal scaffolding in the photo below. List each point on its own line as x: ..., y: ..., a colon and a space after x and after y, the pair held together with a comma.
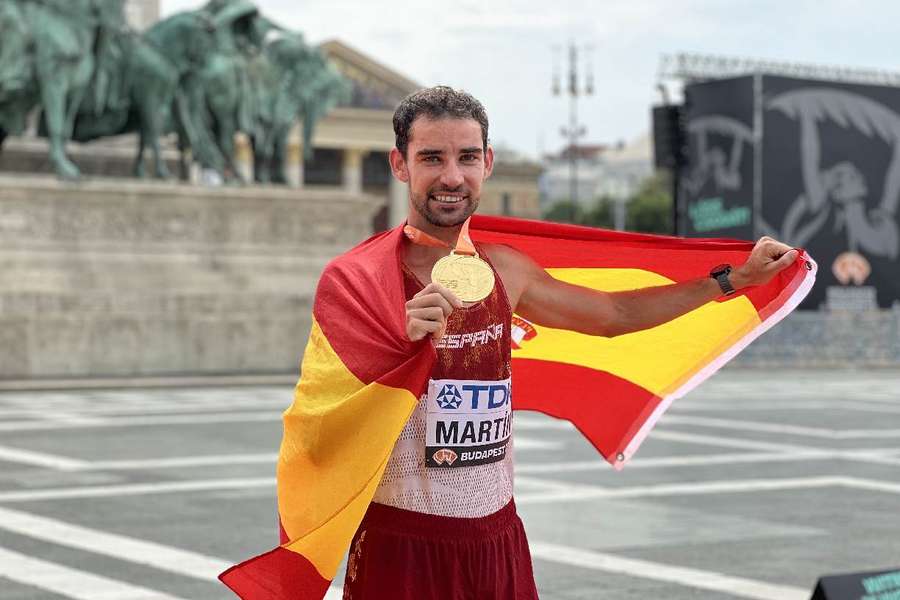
x: 692, y: 68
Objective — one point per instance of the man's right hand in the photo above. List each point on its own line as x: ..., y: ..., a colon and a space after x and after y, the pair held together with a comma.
x: 427, y: 312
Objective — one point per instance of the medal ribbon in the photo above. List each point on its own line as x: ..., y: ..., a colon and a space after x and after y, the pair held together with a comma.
x: 464, y: 243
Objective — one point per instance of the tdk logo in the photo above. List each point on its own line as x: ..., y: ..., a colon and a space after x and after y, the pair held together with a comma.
x: 449, y: 397
x: 478, y: 396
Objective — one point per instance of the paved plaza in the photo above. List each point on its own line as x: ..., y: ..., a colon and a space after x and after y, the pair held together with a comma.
x: 751, y: 487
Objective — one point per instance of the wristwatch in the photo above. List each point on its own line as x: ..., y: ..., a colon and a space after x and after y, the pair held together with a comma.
x: 720, y: 274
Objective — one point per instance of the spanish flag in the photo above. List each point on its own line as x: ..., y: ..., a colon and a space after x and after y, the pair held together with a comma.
x: 361, y: 377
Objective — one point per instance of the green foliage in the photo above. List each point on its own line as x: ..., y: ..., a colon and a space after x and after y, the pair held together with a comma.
x: 598, y: 215
x: 650, y: 210
x: 564, y: 212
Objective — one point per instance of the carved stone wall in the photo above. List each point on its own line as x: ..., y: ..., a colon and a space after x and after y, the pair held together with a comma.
x: 123, y: 278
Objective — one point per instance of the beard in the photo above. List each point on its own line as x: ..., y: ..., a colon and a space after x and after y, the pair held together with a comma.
x: 445, y: 215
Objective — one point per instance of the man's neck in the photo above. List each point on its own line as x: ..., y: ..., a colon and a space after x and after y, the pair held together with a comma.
x: 417, y: 254
x: 448, y: 235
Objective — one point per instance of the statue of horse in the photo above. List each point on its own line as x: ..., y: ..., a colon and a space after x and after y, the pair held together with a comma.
x: 46, y: 58
x: 219, y: 92
x: 297, y: 83
x: 160, y: 75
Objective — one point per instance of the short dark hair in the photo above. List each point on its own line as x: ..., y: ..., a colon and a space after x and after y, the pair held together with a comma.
x: 435, y: 103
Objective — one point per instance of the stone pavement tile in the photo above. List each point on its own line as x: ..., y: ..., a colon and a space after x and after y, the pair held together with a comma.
x: 631, y: 477
x: 862, y: 531
x: 849, y: 514
x: 223, y: 471
x: 837, y: 417
x: 780, y: 379
x: 122, y: 570
x: 14, y: 476
x: 228, y: 528
x: 786, y: 562
x: 577, y: 448
x: 564, y: 582
x: 151, y: 441
x: 13, y: 590
x: 607, y: 525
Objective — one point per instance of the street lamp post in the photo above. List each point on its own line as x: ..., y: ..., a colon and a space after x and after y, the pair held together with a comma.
x: 574, y: 131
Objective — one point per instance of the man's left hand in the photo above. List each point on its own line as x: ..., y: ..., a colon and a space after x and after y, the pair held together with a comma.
x: 768, y: 258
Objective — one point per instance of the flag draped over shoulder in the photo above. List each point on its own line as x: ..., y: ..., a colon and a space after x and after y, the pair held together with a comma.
x: 361, y: 377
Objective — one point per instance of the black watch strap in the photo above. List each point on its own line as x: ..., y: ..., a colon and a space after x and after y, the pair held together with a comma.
x: 720, y: 274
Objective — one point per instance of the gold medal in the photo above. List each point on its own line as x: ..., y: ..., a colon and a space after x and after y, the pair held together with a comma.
x: 469, y: 277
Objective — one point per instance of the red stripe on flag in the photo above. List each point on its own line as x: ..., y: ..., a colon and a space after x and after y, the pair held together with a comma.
x: 606, y: 409
x: 545, y: 229
x: 556, y: 245
x: 276, y: 575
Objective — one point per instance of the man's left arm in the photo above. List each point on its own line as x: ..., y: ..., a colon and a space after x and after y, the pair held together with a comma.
x: 554, y: 303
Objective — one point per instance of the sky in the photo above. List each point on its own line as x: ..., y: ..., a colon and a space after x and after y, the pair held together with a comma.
x: 502, y: 51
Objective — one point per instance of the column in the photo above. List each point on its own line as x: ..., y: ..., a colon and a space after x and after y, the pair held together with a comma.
x: 293, y: 168
x: 243, y: 156
x: 352, y: 171
x: 398, y: 202
x: 293, y: 158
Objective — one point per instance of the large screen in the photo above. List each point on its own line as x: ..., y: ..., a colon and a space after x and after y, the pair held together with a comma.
x: 716, y: 187
x: 813, y: 163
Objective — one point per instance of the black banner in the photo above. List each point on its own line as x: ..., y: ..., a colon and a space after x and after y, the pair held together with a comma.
x: 875, y: 585
x: 831, y: 184
x: 829, y: 178
x: 716, y: 187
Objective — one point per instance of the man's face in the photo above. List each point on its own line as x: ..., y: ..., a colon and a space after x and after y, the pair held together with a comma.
x: 445, y: 165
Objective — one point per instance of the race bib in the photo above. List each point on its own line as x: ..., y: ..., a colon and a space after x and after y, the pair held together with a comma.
x: 468, y: 422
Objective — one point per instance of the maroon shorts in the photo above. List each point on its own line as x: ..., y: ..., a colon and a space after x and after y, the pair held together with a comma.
x: 403, y: 555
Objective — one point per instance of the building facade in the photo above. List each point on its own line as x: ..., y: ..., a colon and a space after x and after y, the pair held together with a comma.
x: 613, y: 172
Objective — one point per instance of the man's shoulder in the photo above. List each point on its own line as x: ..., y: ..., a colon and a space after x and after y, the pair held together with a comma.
x: 367, y: 259
x: 504, y: 256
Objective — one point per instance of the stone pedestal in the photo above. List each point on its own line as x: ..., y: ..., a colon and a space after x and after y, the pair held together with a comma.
x: 123, y: 278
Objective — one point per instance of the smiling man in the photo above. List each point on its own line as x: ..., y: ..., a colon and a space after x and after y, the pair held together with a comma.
x: 443, y: 524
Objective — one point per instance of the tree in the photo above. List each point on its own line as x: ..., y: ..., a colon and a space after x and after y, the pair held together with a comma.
x: 598, y: 215
x: 564, y: 211
x: 650, y: 210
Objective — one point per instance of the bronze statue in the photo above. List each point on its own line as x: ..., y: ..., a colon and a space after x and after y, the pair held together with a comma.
x: 293, y: 80
x: 46, y: 58
x: 204, y: 74
x: 134, y: 87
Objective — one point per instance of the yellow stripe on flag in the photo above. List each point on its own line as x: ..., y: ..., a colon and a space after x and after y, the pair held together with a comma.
x: 658, y: 359
x: 338, y: 435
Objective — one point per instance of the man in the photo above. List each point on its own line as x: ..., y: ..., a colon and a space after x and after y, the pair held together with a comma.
x: 442, y: 524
